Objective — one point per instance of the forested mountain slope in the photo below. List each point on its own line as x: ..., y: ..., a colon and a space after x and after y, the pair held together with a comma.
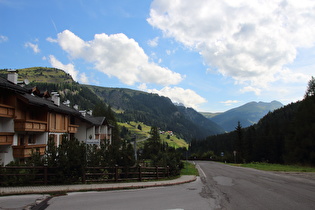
x: 286, y: 135
x: 152, y: 109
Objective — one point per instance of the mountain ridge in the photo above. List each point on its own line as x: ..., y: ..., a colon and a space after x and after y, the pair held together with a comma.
x: 248, y: 114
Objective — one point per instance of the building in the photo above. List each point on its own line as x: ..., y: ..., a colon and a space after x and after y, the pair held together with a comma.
x: 29, y: 118
x: 93, y: 129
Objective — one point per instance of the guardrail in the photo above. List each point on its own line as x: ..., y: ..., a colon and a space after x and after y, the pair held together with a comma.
x: 35, y: 175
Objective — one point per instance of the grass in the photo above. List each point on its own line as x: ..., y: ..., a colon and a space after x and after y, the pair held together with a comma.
x: 278, y: 167
x: 173, y: 141
x: 189, y: 169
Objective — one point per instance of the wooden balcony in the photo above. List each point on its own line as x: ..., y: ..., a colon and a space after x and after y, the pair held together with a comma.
x: 6, y: 111
x: 102, y: 136
x: 73, y: 128
x: 30, y: 125
x: 26, y: 150
x: 6, y: 138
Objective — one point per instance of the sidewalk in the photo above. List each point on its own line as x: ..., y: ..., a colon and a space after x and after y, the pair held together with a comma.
x: 36, y: 197
x: 88, y: 187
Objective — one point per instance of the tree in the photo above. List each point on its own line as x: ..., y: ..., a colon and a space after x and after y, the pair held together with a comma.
x: 310, y: 91
x: 153, y: 145
x: 239, y: 140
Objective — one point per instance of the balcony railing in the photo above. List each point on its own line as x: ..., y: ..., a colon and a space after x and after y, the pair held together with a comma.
x: 73, y: 128
x: 6, y: 111
x: 26, y: 150
x: 30, y: 125
x: 6, y: 138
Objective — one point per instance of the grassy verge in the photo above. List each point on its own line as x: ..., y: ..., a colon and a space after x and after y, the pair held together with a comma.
x: 189, y: 169
x: 277, y: 167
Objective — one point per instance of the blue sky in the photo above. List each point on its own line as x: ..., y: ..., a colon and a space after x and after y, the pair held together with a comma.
x: 212, y: 55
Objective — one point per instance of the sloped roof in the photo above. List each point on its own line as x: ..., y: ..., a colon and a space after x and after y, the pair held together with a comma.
x: 6, y: 84
x: 49, y: 104
x: 35, y: 100
x: 95, y: 120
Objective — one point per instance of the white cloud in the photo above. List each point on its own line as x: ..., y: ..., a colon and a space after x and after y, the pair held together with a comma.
x: 250, y: 41
x: 117, y: 55
x: 3, y: 38
x: 179, y: 95
x: 153, y: 42
x: 142, y: 87
x: 69, y: 68
x: 84, y: 79
x: 34, y: 47
x: 49, y: 39
x: 229, y: 102
x: 257, y: 91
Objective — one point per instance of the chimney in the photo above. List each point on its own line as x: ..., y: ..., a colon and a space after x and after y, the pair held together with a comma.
x: 55, y: 98
x: 83, y: 112
x: 13, y: 76
x: 67, y: 103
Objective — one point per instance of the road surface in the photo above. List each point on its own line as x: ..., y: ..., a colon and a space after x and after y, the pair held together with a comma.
x: 219, y: 187
x: 231, y: 187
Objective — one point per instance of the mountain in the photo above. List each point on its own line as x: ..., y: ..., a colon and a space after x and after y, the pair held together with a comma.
x: 152, y: 109
x: 199, y: 119
x: 248, y: 114
x: 129, y: 105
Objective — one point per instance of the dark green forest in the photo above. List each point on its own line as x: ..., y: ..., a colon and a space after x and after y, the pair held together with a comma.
x: 286, y: 135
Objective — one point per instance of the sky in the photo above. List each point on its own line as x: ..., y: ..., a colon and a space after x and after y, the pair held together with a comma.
x: 211, y: 55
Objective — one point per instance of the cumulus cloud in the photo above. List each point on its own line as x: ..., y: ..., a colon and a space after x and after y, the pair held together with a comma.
x: 187, y: 97
x: 84, y: 79
x: 34, y: 47
x: 117, y: 55
x: 250, y: 41
x: 69, y: 68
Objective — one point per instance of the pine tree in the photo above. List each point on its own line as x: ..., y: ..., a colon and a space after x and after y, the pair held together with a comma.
x: 310, y: 91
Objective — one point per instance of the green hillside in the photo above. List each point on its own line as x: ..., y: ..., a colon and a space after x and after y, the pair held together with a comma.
x: 144, y: 133
x: 41, y: 75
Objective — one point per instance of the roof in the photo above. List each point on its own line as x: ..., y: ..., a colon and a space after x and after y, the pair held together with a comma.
x: 41, y: 100
x: 95, y: 120
x: 4, y: 83
x: 36, y: 100
x: 49, y: 104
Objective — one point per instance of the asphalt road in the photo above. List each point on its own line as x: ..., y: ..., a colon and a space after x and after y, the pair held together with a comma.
x: 231, y: 187
x: 219, y: 187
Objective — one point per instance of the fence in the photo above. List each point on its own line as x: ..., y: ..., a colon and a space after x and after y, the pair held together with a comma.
x: 35, y: 175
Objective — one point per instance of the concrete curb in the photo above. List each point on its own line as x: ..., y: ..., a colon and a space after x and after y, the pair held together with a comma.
x: 62, y: 189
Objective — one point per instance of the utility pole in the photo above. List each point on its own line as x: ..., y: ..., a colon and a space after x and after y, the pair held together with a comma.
x: 135, y: 146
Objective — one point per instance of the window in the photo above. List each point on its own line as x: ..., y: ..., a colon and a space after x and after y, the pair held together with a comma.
x: 31, y: 139
x: 21, y: 140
